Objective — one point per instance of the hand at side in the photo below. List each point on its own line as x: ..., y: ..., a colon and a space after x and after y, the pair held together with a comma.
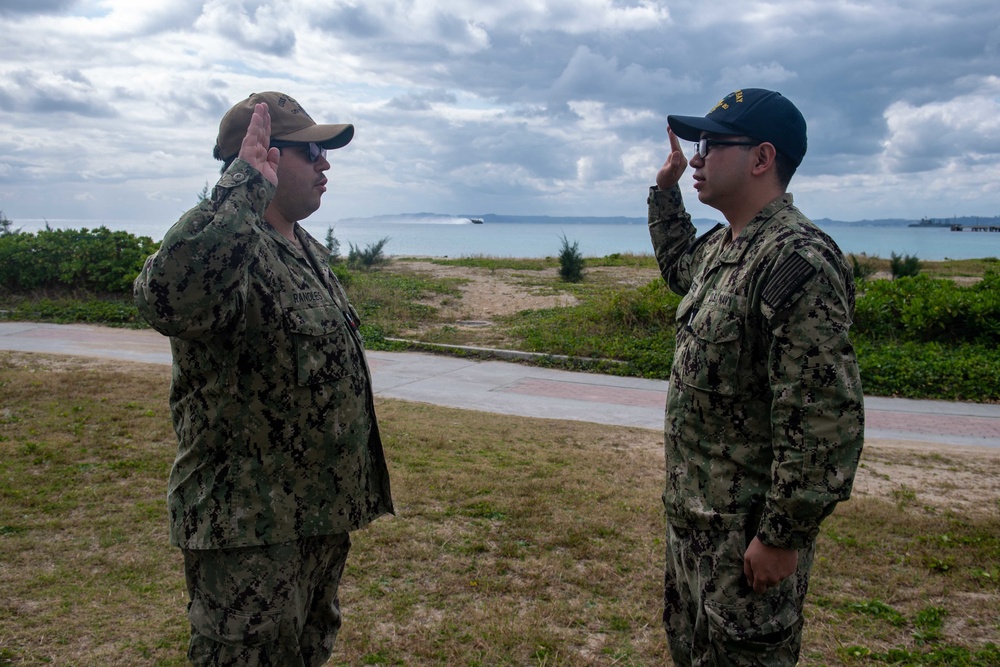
x: 766, y: 566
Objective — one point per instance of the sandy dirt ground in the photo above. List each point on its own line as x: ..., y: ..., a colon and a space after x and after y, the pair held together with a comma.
x: 490, y: 293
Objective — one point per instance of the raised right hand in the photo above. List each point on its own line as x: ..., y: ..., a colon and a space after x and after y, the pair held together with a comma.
x: 255, y: 148
x: 671, y: 171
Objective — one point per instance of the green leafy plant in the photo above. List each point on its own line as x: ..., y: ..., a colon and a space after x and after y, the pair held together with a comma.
x: 101, y: 260
x: 6, y: 225
x: 880, y: 610
x: 333, y: 245
x: 570, y: 261
x: 924, y: 309
x: 863, y: 267
x: 372, y: 255
x: 904, y: 265
x: 929, y: 623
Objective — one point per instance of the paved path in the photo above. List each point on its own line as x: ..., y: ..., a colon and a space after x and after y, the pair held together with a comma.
x: 517, y: 389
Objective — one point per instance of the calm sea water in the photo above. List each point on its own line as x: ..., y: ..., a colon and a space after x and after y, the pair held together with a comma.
x: 457, y: 237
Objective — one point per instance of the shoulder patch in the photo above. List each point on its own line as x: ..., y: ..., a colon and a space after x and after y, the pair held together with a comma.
x: 789, y: 276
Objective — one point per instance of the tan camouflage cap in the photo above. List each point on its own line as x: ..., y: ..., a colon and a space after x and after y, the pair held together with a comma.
x: 289, y: 122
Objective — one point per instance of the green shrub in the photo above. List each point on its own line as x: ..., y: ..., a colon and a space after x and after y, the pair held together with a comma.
x: 863, y: 267
x: 333, y: 245
x: 7, y: 225
x: 930, y: 370
x: 924, y: 309
x: 370, y: 257
x: 100, y: 260
x: 78, y: 309
x: 342, y: 274
x: 902, y: 266
x: 570, y: 261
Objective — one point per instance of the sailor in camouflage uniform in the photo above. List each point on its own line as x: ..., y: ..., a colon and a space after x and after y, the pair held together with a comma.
x: 765, y: 416
x: 279, y: 455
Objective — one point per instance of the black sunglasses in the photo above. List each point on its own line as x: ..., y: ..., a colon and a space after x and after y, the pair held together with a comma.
x: 702, y: 147
x: 315, y: 150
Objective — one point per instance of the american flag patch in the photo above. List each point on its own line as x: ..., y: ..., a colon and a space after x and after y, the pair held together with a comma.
x: 788, y: 277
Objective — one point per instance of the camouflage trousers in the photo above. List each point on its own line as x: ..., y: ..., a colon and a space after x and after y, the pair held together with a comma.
x: 713, y: 617
x: 273, y: 605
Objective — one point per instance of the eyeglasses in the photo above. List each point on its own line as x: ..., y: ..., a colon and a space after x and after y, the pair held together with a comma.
x: 315, y: 150
x: 702, y: 147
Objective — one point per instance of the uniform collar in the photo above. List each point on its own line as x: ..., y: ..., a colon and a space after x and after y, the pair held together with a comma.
x: 733, y: 251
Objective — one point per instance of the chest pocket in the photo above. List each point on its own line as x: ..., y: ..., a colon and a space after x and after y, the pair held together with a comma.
x: 324, y: 349
x: 710, y: 344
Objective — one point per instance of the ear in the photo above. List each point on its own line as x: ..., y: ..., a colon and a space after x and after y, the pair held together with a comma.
x: 764, y: 157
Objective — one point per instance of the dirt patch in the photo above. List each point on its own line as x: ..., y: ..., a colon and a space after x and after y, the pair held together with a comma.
x: 489, y: 293
x: 938, y: 478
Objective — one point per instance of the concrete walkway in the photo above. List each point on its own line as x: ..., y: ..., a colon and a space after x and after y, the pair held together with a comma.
x: 517, y: 389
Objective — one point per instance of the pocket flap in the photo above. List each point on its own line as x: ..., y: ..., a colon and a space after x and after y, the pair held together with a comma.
x: 232, y: 627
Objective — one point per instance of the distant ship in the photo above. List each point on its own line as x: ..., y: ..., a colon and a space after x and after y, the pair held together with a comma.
x: 476, y: 221
x: 924, y: 222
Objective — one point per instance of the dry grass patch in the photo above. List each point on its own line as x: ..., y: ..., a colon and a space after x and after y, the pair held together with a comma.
x: 517, y: 541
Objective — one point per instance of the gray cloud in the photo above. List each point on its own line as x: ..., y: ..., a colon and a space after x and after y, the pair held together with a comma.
x: 15, y: 7
x: 548, y: 108
x: 68, y: 92
x: 252, y: 24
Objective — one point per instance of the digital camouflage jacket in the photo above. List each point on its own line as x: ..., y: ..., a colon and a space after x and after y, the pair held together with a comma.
x: 765, y: 414
x: 271, y: 395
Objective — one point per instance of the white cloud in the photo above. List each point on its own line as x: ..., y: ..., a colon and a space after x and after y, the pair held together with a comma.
x: 944, y: 134
x: 554, y: 107
x: 251, y: 24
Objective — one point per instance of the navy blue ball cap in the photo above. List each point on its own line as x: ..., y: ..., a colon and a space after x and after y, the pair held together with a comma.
x: 752, y: 112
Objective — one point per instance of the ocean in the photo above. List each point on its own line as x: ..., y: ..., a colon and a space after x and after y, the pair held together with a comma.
x: 443, y: 236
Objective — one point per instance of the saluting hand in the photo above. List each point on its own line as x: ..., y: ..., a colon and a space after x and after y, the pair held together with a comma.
x: 255, y: 148
x: 671, y: 171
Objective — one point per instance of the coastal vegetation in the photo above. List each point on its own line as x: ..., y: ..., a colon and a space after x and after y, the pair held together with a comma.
x: 570, y: 261
x: 933, y: 333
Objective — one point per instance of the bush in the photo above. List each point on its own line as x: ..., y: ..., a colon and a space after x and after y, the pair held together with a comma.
x: 7, y: 225
x: 903, y: 266
x: 100, y: 260
x: 341, y: 273
x: 333, y: 245
x: 570, y: 261
x: 930, y: 370
x: 370, y: 257
x: 75, y: 309
x: 864, y: 268
x: 923, y: 309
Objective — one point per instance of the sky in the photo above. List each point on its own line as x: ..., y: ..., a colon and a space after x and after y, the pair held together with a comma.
x: 109, y: 108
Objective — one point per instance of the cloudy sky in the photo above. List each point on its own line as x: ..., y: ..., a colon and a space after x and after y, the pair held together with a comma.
x: 109, y: 108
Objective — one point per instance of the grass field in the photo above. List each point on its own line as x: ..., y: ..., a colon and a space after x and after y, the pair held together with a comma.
x: 517, y: 541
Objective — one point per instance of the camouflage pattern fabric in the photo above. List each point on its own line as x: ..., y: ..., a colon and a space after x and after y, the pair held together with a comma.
x: 764, y: 422
x: 714, y: 619
x: 765, y: 413
x: 266, y: 606
x: 271, y: 394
